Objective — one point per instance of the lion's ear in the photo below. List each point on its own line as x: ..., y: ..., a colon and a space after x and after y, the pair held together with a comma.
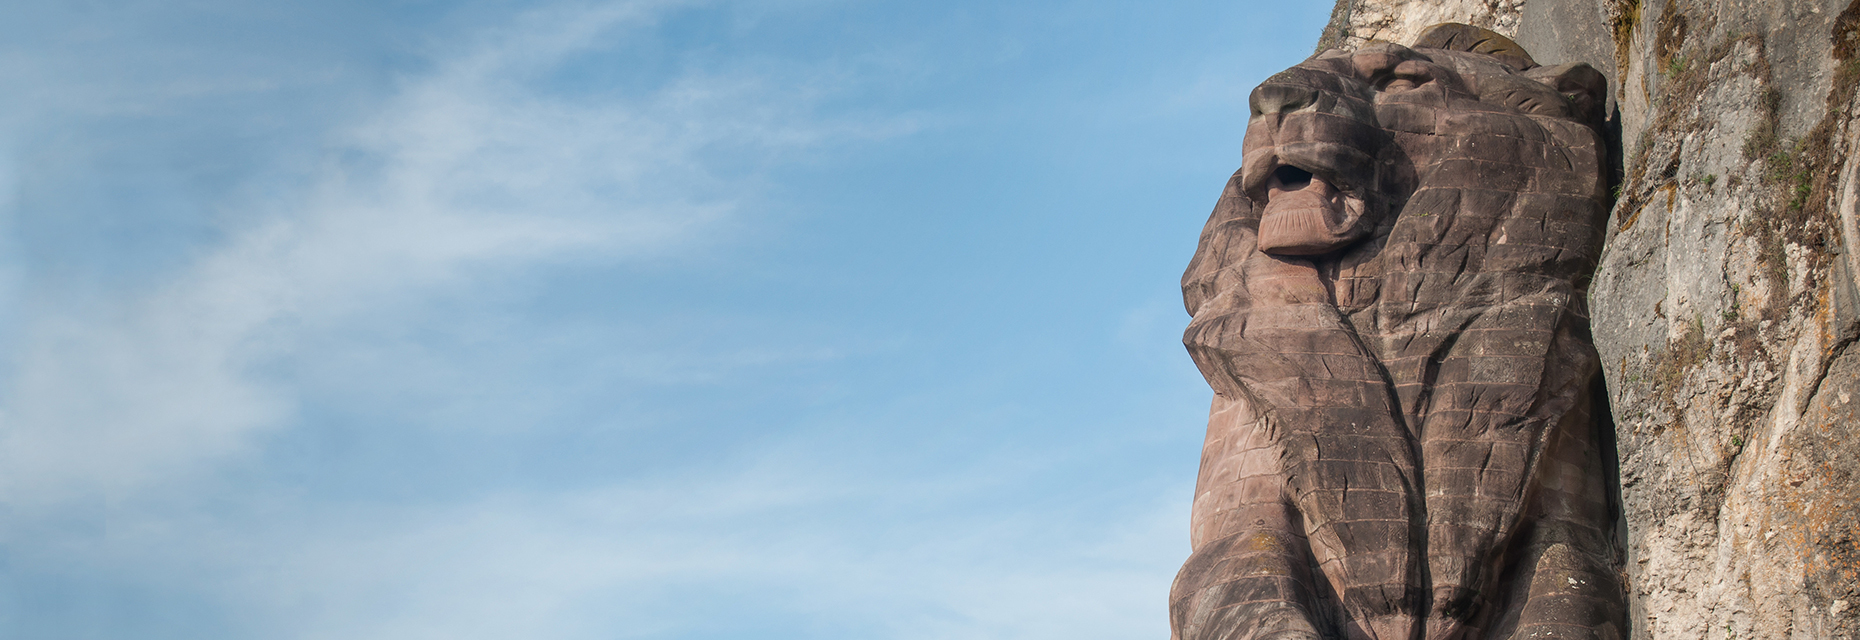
x: 1454, y: 36
x: 1576, y: 79
x: 1585, y: 88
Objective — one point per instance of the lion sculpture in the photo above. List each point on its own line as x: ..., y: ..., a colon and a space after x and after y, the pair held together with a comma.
x: 1389, y: 304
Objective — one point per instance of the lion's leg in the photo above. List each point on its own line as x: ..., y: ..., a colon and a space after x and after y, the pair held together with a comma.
x: 1475, y: 492
x: 1252, y: 585
x: 1345, y: 456
x: 1498, y: 387
x: 1565, y: 580
x: 1348, y: 462
x: 1562, y: 588
x: 1350, y: 473
x: 1249, y: 577
x: 1279, y: 494
x: 1330, y: 486
x: 1359, y: 524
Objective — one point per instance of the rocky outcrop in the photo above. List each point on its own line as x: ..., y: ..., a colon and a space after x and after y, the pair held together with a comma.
x: 1354, y: 24
x: 1724, y: 305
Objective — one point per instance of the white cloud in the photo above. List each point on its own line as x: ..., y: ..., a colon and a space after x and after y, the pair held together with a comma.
x: 475, y: 169
x: 690, y: 556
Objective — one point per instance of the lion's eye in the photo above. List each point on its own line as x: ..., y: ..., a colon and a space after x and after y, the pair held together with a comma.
x: 1405, y: 76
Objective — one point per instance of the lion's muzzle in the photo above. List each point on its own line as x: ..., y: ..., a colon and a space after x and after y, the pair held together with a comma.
x: 1307, y: 215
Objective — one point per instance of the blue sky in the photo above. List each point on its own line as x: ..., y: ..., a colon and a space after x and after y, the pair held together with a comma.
x: 682, y: 320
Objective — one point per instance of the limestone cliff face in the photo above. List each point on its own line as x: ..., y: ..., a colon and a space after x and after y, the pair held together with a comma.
x: 1725, y: 305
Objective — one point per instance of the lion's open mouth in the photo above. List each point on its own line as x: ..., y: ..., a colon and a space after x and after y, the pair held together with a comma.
x: 1290, y: 177
x: 1306, y: 214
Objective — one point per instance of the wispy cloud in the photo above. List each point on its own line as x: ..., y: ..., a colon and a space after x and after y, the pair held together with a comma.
x: 126, y: 413
x: 688, y: 556
x: 477, y: 168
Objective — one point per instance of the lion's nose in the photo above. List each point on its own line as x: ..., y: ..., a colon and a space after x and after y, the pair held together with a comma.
x: 1281, y: 98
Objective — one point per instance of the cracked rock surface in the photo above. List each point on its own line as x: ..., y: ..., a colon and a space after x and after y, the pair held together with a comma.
x: 1724, y: 304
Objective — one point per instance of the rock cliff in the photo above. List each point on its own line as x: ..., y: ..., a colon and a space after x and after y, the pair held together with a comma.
x: 1725, y: 305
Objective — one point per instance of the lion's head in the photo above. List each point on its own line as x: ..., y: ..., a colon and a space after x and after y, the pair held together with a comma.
x: 1340, y: 144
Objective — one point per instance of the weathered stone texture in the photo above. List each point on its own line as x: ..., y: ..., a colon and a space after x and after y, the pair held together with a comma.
x: 1389, y: 303
x: 1724, y: 303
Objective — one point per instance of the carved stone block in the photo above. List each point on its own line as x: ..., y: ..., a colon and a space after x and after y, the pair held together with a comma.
x: 1389, y: 304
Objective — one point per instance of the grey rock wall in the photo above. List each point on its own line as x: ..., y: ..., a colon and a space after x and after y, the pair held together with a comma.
x: 1725, y: 305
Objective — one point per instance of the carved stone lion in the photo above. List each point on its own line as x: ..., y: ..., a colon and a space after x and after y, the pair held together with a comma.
x: 1389, y: 304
